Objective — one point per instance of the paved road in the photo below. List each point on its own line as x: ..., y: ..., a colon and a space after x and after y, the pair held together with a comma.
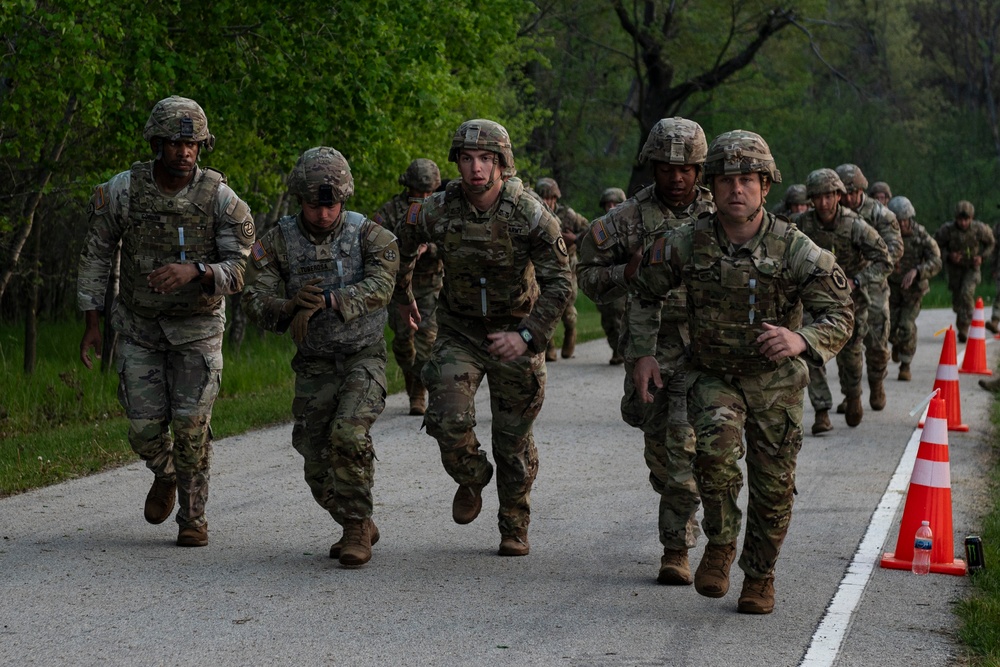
x: 85, y: 581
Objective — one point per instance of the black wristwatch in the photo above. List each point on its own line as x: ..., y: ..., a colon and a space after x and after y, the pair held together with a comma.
x: 201, y: 269
x: 526, y: 336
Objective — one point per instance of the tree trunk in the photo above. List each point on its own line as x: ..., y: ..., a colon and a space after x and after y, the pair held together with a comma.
x: 31, y: 317
x: 43, y: 180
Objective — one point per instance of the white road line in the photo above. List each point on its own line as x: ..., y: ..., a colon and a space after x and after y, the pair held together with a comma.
x: 829, y: 636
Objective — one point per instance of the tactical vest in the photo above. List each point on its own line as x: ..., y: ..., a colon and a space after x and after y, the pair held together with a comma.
x: 338, y: 263
x: 157, y: 225
x: 729, y: 298
x: 481, y: 277
x: 655, y: 223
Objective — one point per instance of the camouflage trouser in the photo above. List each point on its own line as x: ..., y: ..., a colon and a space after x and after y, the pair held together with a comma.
x: 336, y: 402
x: 904, y: 310
x: 850, y: 361
x: 452, y: 377
x: 168, y: 392
x: 412, y: 348
x: 877, y: 336
x: 611, y: 321
x: 669, y: 440
x: 720, y: 416
x: 962, y: 283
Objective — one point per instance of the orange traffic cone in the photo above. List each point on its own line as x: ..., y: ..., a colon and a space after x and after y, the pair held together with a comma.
x: 975, y: 349
x: 928, y: 498
x: 946, y: 383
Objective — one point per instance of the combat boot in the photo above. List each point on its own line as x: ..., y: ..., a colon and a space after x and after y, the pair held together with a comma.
x: 466, y: 505
x: 356, y: 549
x: 991, y: 385
x: 711, y: 579
x: 550, y: 352
x: 822, y: 422
x: 418, y: 397
x: 616, y: 359
x: 675, y: 570
x: 992, y: 327
x: 339, y: 544
x: 904, y: 372
x: 757, y: 596
x: 854, y: 411
x: 193, y: 536
x: 514, y: 545
x: 569, y: 343
x: 160, y: 500
x: 842, y: 407
x: 877, y: 398
x: 963, y: 336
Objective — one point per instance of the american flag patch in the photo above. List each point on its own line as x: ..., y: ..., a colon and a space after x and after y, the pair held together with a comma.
x: 600, y: 234
x: 257, y: 251
x: 379, y: 219
x: 656, y: 253
x: 413, y: 213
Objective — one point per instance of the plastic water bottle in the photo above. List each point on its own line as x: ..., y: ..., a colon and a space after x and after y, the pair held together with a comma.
x: 923, y: 542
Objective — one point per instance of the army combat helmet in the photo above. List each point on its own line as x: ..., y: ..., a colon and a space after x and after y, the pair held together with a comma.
x: 321, y: 177
x: 740, y: 152
x: 903, y: 208
x: 422, y: 175
x: 797, y: 194
x: 675, y: 141
x: 613, y: 195
x: 176, y: 118
x: 484, y: 135
x: 880, y: 187
x: 824, y: 180
x: 547, y: 188
x: 852, y: 177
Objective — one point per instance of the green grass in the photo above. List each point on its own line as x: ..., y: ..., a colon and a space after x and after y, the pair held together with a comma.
x: 980, y: 613
x: 64, y: 421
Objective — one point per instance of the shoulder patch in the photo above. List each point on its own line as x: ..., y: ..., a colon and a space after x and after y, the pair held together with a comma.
x: 839, y: 279
x: 561, y: 245
x: 659, y: 252
x: 413, y: 213
x: 257, y: 251
x: 248, y: 229
x: 389, y: 254
x: 100, y: 198
x: 599, y: 232
x: 378, y: 219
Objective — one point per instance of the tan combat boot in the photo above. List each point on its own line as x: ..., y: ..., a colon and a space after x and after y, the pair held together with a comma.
x: 616, y: 359
x: 356, y: 545
x: 418, y: 397
x: 711, y: 579
x: 160, y: 500
x: 854, y: 411
x: 550, y: 352
x: 877, y: 398
x: 339, y: 544
x: 193, y: 536
x: 757, y: 596
x: 569, y: 343
x: 904, y: 372
x: 514, y: 545
x: 822, y: 422
x: 674, y: 568
x: 466, y: 505
x: 991, y: 385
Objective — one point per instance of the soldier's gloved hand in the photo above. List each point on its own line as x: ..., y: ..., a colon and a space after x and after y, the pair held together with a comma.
x: 300, y: 324
x: 309, y: 296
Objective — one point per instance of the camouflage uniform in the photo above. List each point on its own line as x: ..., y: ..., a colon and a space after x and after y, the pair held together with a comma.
x: 604, y: 252
x: 962, y: 250
x: 340, y: 383
x: 863, y: 256
x: 794, y: 195
x: 876, y: 339
x: 413, y: 348
x: 734, y: 392
x: 572, y: 222
x: 506, y: 269
x: 169, y: 352
x: 613, y: 312
x: 920, y: 254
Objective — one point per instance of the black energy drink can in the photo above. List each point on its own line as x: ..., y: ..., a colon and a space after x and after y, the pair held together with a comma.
x: 974, y: 558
